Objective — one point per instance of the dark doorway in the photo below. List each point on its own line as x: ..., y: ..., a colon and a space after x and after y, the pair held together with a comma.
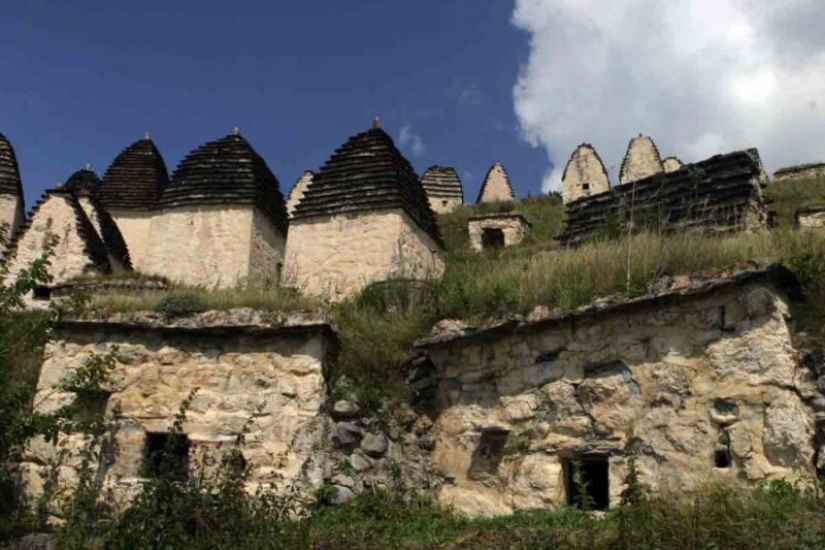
x: 166, y: 455
x: 721, y: 458
x: 492, y: 237
x: 489, y: 453
x: 587, y: 482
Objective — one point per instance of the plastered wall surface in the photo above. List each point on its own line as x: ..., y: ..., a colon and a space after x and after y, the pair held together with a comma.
x: 334, y: 257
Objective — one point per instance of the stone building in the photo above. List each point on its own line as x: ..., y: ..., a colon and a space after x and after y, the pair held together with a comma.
x: 496, y: 230
x: 496, y: 186
x: 264, y: 378
x: 672, y: 164
x: 12, y: 207
x: 78, y: 248
x: 642, y: 160
x: 699, y: 380
x: 298, y: 191
x: 364, y: 218
x: 131, y: 190
x: 584, y: 175
x: 221, y: 221
x: 801, y: 172
x: 810, y: 217
x: 443, y: 187
x: 717, y: 195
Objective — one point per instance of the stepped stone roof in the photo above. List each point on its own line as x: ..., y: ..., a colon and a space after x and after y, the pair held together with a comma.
x: 83, y: 181
x: 442, y: 181
x: 93, y: 245
x: 227, y: 171
x: 496, y: 186
x: 136, y: 178
x: 580, y: 156
x: 10, y: 183
x: 368, y: 173
x: 641, y: 160
x: 298, y: 190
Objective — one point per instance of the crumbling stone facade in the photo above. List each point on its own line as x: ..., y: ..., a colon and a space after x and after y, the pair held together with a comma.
x: 265, y: 376
x: 642, y: 160
x: 496, y: 186
x: 584, y: 175
x: 498, y: 230
x: 698, y: 380
x: 804, y: 171
x: 364, y: 218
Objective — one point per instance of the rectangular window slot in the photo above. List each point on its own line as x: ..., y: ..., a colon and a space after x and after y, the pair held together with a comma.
x: 166, y: 455
x: 42, y: 293
x: 592, y: 489
x: 489, y: 452
x: 721, y: 458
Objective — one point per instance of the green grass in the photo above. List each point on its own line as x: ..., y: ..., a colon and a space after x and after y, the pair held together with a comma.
x: 788, y: 196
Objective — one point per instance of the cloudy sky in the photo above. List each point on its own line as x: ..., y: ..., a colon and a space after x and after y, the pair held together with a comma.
x: 700, y: 76
x: 463, y: 83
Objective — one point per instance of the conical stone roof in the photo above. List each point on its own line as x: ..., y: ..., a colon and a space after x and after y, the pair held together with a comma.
x: 368, y: 173
x: 83, y: 181
x: 442, y: 182
x: 642, y: 160
x: 496, y: 186
x: 136, y: 178
x: 226, y: 171
x: 10, y: 183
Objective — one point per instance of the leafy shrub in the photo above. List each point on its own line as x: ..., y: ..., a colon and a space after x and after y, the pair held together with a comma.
x: 175, y: 306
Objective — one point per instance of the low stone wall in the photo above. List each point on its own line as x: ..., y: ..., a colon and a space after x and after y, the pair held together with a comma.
x: 720, y: 194
x: 512, y: 225
x: 336, y: 256
x: 805, y: 171
x: 810, y: 218
x: 265, y: 377
x: 685, y: 381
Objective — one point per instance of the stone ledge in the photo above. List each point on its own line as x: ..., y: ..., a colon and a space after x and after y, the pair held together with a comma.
x: 665, y: 289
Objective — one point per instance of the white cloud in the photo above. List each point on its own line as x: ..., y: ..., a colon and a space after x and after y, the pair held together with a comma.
x: 700, y: 76
x: 412, y: 141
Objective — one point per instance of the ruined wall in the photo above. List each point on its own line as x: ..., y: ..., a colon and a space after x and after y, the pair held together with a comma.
x: 687, y: 378
x: 269, y: 381
x: 135, y: 227
x: 807, y: 171
x: 642, y: 160
x: 336, y: 256
x: 513, y: 226
x: 810, y: 218
x: 584, y: 175
x: 209, y: 245
x: 57, y: 217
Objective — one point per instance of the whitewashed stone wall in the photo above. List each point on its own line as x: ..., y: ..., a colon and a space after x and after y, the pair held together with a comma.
x: 584, y: 169
x: 94, y: 216
x: 268, y: 381
x: 496, y: 187
x: 807, y: 172
x: 444, y: 205
x: 336, y: 256
x: 641, y: 160
x: 810, y: 220
x: 136, y: 229
x: 56, y: 217
x: 11, y: 215
x: 683, y: 378
x: 213, y: 246
x: 514, y: 227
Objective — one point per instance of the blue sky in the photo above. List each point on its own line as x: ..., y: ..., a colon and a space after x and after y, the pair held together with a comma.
x: 81, y: 80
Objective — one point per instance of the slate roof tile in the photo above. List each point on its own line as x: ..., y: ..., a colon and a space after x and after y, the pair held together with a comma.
x: 136, y: 178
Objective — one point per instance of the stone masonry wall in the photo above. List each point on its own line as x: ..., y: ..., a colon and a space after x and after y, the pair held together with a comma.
x: 641, y: 160
x: 584, y: 167
x: 514, y: 228
x: 268, y: 248
x: 803, y: 172
x: 687, y: 379
x: 444, y: 205
x: 810, y: 220
x: 136, y: 228
x: 336, y: 256
x: 55, y: 216
x: 496, y: 187
x: 208, y: 245
x: 269, y: 382
x: 11, y: 214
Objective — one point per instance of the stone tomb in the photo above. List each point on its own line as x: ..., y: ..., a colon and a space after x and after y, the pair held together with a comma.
x: 490, y: 231
x: 804, y: 171
x: 810, y: 218
x: 699, y: 381
x: 265, y: 377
